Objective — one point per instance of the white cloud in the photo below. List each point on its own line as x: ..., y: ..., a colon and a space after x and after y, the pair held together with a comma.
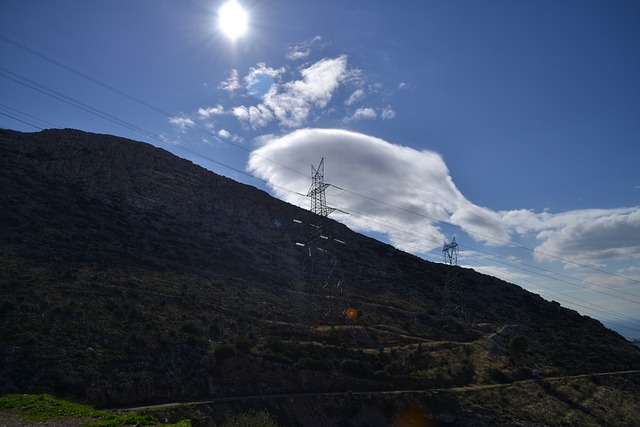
x: 388, y: 114
x: 355, y: 96
x: 182, y: 122
x: 232, y: 83
x: 256, y: 116
x: 320, y: 80
x: 224, y: 134
x: 588, y: 236
x: 591, y: 236
x: 481, y: 223
x: 414, y: 186
x: 291, y: 103
x: 171, y: 141
x: 362, y: 114
x: 297, y: 54
x: 261, y: 80
x: 410, y: 195
x: 302, y: 50
x: 241, y: 113
x: 208, y: 112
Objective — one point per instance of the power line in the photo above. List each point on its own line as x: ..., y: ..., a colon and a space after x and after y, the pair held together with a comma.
x: 470, y: 231
x: 437, y: 240
x: 84, y: 76
x: 85, y: 107
x: 133, y: 98
x: 566, y: 299
x: 24, y: 117
x: 57, y: 95
x: 103, y: 52
x: 20, y: 120
x: 70, y: 101
x: 92, y: 110
x: 512, y: 263
x: 168, y: 115
x: 537, y: 284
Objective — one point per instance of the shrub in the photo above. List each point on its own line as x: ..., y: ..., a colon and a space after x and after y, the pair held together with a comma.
x: 194, y: 341
x: 191, y: 327
x: 354, y: 367
x: 250, y: 419
x: 224, y: 350
x: 310, y: 363
x: 517, y: 348
x: 274, y: 344
x: 498, y: 376
x: 243, y: 344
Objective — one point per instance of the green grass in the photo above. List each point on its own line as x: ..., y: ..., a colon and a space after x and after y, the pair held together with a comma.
x: 43, y: 407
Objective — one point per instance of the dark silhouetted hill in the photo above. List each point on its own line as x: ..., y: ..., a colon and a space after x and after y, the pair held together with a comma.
x: 129, y: 276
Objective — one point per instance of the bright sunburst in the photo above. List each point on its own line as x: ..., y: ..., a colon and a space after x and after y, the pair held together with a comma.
x: 232, y: 19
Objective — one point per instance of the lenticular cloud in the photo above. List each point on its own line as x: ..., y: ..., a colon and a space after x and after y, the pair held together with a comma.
x: 408, y: 195
x: 385, y: 188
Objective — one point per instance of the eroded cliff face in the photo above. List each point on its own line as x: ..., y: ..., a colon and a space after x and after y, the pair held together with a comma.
x: 129, y: 275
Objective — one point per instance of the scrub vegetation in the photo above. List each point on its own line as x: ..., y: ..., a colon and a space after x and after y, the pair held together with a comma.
x: 131, y: 277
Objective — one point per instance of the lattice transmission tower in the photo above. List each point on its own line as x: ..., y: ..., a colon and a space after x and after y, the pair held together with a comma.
x: 450, y: 252
x: 317, y: 191
x: 451, y: 302
x: 324, y: 297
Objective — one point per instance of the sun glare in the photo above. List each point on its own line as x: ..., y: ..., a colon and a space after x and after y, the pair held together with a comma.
x: 232, y: 19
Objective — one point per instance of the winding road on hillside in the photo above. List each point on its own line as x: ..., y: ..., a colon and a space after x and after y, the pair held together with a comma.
x: 10, y: 418
x: 464, y: 389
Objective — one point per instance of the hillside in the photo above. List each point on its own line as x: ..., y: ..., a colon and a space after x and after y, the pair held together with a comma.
x: 130, y: 276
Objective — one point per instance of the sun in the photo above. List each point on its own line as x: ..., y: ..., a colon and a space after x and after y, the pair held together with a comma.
x: 232, y: 19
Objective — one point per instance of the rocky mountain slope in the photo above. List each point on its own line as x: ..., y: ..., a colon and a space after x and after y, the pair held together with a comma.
x: 129, y: 276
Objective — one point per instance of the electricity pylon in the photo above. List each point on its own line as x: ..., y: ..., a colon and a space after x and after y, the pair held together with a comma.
x: 451, y: 303
x: 316, y: 191
x: 324, y: 291
x: 450, y: 252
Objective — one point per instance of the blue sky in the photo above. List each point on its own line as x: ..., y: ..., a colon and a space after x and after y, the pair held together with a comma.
x: 513, y: 126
